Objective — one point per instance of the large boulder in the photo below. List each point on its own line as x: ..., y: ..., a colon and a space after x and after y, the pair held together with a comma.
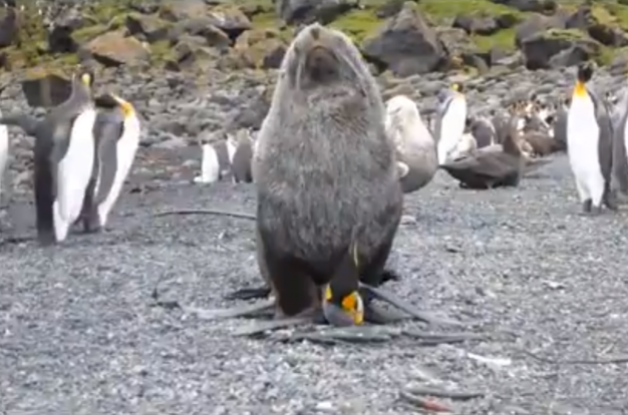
x: 599, y: 23
x: 9, y: 26
x: 308, y: 11
x: 406, y: 44
x: 115, y: 49
x: 45, y: 89
x: 534, y: 24
x: 147, y: 27
x: 556, y: 48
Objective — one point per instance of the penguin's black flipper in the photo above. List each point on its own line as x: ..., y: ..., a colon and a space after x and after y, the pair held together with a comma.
x: 26, y: 122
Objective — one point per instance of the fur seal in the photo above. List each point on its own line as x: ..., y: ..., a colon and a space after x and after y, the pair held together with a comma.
x: 117, y: 136
x: 322, y: 154
x: 450, y: 122
x: 590, y: 144
x: 493, y: 166
x: 63, y: 159
x: 416, y: 149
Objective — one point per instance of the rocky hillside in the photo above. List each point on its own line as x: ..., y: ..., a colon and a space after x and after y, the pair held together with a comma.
x: 46, y: 38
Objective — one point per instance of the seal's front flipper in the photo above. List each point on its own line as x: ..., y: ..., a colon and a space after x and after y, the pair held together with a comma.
x: 252, y: 310
x: 249, y: 293
x: 434, y: 339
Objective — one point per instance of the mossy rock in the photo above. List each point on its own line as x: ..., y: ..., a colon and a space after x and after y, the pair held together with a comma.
x: 566, y: 34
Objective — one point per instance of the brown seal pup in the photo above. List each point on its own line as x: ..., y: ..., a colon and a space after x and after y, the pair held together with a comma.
x: 326, y: 175
x: 416, y: 148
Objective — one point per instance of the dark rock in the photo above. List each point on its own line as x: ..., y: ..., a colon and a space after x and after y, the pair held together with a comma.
x: 308, y: 11
x: 145, y: 7
x: 60, y: 39
x: 603, y: 30
x: 406, y: 44
x: 46, y: 89
x: 176, y: 10
x: 230, y: 20
x: 538, y: 6
x: 150, y: 27
x: 390, y: 8
x: 506, y: 20
x: 481, y: 25
x: 202, y: 27
x: 555, y: 48
x: 9, y: 27
x: 534, y: 24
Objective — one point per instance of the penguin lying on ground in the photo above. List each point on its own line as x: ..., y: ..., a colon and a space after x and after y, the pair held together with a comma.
x: 493, y: 166
x: 117, y: 136
x: 230, y: 158
x: 416, y: 149
x: 63, y: 159
x: 590, y: 144
x: 450, y: 122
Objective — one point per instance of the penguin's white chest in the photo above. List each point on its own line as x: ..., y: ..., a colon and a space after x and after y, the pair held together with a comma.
x: 583, y: 134
x: 126, y: 148
x: 451, y: 128
x: 4, y: 153
x: 74, y: 172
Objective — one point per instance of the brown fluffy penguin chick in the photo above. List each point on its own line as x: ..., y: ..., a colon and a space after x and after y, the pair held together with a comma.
x: 492, y: 166
x: 416, y: 148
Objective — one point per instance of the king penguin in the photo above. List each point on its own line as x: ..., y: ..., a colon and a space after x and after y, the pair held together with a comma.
x: 4, y: 157
x: 450, y: 122
x: 63, y: 158
x: 117, y: 135
x: 589, y: 144
x: 620, y: 144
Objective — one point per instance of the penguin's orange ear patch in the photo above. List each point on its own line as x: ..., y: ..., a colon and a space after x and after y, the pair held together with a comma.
x: 580, y: 90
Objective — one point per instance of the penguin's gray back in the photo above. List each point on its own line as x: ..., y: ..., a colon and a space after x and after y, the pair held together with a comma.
x: 483, y: 132
x: 241, y: 163
x: 108, y: 129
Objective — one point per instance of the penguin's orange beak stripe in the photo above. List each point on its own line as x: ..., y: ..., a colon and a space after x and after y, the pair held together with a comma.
x: 580, y: 90
x: 127, y: 108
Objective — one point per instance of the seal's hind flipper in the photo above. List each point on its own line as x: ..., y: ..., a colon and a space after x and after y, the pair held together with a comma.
x: 375, y: 314
x: 258, y: 329
x: 401, y: 305
x: 249, y: 293
x: 252, y: 310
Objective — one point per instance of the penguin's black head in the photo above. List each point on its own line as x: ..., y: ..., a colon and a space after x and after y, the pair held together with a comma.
x: 585, y: 72
x: 342, y: 303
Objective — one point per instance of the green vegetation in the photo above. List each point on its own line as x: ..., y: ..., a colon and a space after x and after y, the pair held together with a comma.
x: 105, y: 15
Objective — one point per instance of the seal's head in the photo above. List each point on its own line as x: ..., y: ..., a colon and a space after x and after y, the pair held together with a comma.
x: 323, y: 58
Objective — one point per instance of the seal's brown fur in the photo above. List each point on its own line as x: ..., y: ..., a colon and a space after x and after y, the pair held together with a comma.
x: 323, y: 168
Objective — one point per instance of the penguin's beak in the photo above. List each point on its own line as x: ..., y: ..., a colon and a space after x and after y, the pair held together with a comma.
x: 125, y: 106
x: 349, y: 312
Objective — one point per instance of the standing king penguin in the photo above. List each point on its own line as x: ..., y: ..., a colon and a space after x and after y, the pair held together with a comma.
x: 4, y: 156
x: 117, y: 135
x: 589, y: 144
x: 450, y: 123
x: 63, y: 159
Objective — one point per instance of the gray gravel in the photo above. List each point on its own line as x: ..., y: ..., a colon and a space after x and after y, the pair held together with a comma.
x: 78, y: 334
